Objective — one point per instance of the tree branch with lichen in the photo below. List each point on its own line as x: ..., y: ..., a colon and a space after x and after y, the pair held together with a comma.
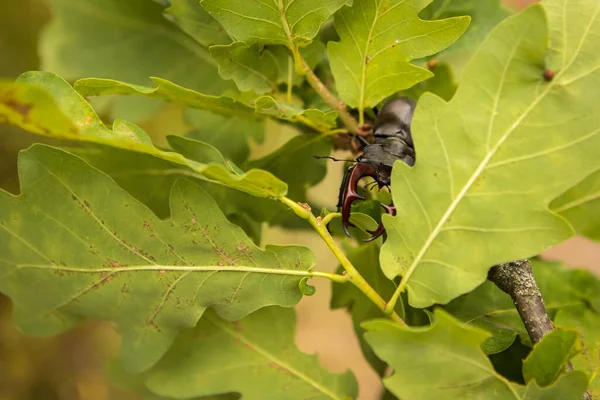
x: 516, y: 279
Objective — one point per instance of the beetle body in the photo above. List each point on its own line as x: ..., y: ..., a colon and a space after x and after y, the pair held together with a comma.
x: 392, y: 142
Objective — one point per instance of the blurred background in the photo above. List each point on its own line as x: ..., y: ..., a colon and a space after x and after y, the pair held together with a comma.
x: 73, y: 366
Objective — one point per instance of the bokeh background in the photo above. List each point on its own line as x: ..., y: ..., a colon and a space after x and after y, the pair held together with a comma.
x: 74, y: 366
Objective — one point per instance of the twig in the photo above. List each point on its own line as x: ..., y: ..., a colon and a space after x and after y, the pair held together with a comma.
x: 516, y: 279
x: 320, y: 225
x: 332, y: 101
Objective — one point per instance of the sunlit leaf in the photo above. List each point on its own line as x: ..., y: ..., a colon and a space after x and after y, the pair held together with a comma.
x: 581, y: 206
x: 379, y: 38
x: 89, y: 128
x: 256, y: 357
x: 165, y: 90
x: 320, y: 119
x: 76, y: 246
x: 287, y: 22
x: 587, y: 322
x: 550, y: 356
x: 16, y: 108
x: 491, y: 160
x: 449, y: 354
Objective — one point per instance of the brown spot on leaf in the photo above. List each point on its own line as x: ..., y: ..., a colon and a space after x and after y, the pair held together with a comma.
x: 152, y: 325
x: 242, y: 247
x: 21, y: 108
x: 237, y: 325
x: 113, y: 263
x: 148, y: 227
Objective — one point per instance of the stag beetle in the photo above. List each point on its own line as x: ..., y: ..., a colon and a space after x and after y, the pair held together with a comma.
x: 392, y: 141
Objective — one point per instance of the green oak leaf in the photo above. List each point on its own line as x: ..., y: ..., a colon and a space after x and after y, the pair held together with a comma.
x: 129, y: 41
x: 196, y: 22
x: 489, y: 308
x: 379, y: 38
x: 136, y: 383
x: 449, y: 354
x: 261, y: 68
x: 89, y: 128
x: 287, y: 22
x: 165, y: 90
x: 441, y: 84
x: 197, y: 151
x: 131, y: 132
x: 294, y: 163
x: 580, y: 205
x: 264, y: 106
x: 253, y: 68
x: 321, y: 120
x: 587, y: 322
x: 485, y: 15
x: 149, y: 179
x: 461, y: 208
x: 550, y: 356
x: 231, y: 135
x: 17, y: 108
x: 76, y: 246
x: 256, y: 357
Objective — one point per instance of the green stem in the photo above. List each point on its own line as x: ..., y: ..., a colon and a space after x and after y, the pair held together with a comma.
x: 392, y: 303
x: 303, y: 211
x: 332, y: 101
x: 290, y: 78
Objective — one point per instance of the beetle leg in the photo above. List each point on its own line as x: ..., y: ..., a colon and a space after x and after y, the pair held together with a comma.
x: 389, y: 209
x: 349, y: 194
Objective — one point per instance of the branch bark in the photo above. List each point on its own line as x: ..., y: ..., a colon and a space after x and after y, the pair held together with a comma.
x: 516, y: 279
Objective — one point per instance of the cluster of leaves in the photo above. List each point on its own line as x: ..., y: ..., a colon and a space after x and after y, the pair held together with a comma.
x: 163, y: 242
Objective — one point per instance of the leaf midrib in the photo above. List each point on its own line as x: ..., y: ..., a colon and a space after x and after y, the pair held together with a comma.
x: 364, y: 63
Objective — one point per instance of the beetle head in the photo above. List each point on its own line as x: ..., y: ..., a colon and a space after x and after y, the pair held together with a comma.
x: 349, y: 191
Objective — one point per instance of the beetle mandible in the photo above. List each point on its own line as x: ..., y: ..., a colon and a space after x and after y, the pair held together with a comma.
x: 392, y: 141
